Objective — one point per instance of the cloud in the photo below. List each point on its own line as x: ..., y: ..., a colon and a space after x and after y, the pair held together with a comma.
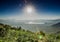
x: 34, y: 16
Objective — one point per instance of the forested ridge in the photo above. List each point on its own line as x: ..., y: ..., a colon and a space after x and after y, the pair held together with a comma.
x: 17, y: 34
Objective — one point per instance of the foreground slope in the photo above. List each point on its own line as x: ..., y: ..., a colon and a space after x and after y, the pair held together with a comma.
x: 17, y: 34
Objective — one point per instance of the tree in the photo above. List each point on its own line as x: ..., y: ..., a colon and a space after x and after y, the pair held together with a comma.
x: 42, y: 33
x: 2, y: 32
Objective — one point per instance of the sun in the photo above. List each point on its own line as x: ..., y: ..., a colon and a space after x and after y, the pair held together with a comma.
x: 29, y: 9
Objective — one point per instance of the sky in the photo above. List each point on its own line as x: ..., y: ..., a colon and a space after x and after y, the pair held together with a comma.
x: 29, y: 9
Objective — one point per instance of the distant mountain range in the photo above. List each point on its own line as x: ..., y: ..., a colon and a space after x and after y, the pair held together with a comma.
x: 33, y: 21
x: 56, y: 25
x: 35, y: 25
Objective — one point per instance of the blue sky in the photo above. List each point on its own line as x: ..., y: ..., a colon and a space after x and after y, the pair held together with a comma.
x: 12, y: 8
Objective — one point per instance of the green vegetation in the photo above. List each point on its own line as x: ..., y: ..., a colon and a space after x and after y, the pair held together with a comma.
x: 17, y: 34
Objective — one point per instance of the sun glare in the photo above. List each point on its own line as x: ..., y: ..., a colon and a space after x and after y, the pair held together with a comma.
x: 29, y: 9
x: 29, y: 12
